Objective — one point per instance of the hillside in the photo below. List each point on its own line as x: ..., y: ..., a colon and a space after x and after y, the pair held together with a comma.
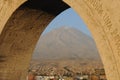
x: 65, y: 48
x: 66, y: 43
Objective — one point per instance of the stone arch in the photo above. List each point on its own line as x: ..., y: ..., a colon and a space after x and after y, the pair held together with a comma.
x: 103, y: 23
x: 7, y: 7
x: 101, y: 18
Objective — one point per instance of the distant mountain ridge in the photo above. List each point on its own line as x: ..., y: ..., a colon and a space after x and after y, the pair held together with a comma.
x: 66, y: 43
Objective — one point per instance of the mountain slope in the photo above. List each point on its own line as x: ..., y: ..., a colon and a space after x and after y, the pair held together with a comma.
x: 66, y: 43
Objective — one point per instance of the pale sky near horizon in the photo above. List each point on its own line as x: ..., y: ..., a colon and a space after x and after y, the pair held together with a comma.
x: 68, y: 18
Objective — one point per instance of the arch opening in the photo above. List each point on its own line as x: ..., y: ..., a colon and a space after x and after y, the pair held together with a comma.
x: 66, y: 44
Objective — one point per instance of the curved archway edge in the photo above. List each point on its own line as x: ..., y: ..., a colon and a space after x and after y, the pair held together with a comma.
x: 7, y: 7
x: 102, y: 19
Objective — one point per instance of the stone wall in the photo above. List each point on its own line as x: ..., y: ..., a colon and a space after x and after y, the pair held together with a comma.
x: 18, y: 40
x: 102, y: 19
x: 7, y: 7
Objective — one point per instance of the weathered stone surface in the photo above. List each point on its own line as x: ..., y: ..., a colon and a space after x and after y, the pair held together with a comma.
x: 7, y: 7
x: 18, y: 39
x: 17, y: 42
x: 102, y: 18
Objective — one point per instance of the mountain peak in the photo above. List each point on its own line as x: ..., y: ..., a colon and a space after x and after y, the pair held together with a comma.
x: 66, y: 43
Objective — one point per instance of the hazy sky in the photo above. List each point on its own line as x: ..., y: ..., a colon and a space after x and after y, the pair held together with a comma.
x: 68, y: 18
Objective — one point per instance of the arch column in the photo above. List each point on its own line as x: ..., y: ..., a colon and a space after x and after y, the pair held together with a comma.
x: 102, y: 19
x: 18, y: 40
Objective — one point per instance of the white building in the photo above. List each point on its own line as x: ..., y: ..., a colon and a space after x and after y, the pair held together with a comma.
x: 44, y: 77
x: 39, y: 78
